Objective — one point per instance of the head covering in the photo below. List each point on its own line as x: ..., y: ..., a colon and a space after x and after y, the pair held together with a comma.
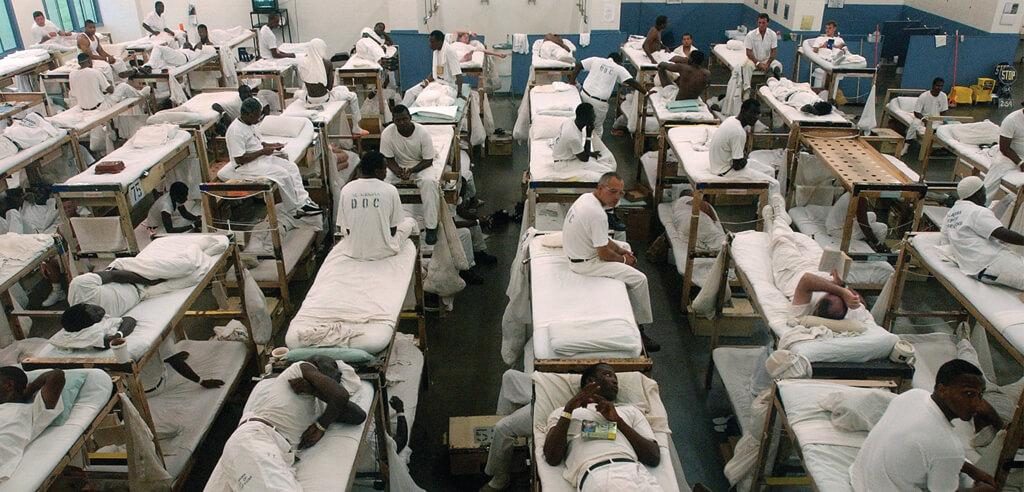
x: 311, y: 68
x: 968, y: 187
x: 368, y: 32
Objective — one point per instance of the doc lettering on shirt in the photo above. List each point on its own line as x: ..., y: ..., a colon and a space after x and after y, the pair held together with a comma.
x: 365, y: 200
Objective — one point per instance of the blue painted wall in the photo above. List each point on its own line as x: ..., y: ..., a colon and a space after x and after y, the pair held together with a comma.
x: 707, y: 22
x: 932, y: 20
x: 978, y: 58
x: 601, y: 44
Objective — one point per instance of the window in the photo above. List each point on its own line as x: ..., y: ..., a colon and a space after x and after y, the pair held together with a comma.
x: 70, y: 15
x: 10, y: 38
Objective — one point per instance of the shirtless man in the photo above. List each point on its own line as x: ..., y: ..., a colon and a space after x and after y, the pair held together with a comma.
x: 653, y: 42
x: 693, y: 78
x: 89, y: 43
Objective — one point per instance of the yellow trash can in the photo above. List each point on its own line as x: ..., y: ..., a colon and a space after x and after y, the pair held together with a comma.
x: 983, y: 90
x: 962, y: 95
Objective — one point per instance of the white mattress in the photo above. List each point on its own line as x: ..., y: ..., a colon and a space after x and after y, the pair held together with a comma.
x: 274, y: 65
x: 665, y: 116
x: 807, y: 50
x: 736, y: 365
x: 33, y: 245
x: 1000, y: 305
x: 198, y: 110
x: 243, y: 34
x: 20, y: 60
x: 828, y: 465
x: 810, y: 220
x: 902, y: 108
x: 476, y: 62
x: 697, y: 164
x: 294, y: 246
x: 404, y: 374
x: 27, y: 155
x: 46, y: 452
x: 146, y: 43
x: 792, y: 115
x: 543, y: 100
x: 558, y: 298
x: 701, y: 266
x: 203, y: 58
x: 319, y: 117
x: 329, y: 465
x: 544, y: 168
x: 751, y: 256
x: 75, y: 119
x: 357, y: 64
x: 153, y: 318
x: 639, y: 59
x: 442, y: 136
x: 187, y: 407
x: 731, y: 58
x: 545, y: 63
x: 366, y: 296
x: 976, y: 156
x: 137, y: 162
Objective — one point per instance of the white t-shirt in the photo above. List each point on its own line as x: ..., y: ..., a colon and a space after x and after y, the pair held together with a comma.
x: 1013, y: 129
x: 929, y: 105
x: 369, y: 208
x: 268, y: 41
x: 913, y: 447
x: 20, y: 424
x: 115, y: 298
x: 154, y: 21
x: 242, y: 139
x: 445, y: 64
x: 569, y: 141
x: 276, y: 402
x: 762, y: 46
x: 87, y: 86
x: 602, y: 75
x: 407, y: 151
x: 164, y: 204
x: 679, y: 51
x: 39, y: 219
x: 42, y: 32
x: 968, y: 230
x: 729, y: 142
x: 370, y: 50
x: 585, y: 228
x: 822, y: 40
x: 581, y: 453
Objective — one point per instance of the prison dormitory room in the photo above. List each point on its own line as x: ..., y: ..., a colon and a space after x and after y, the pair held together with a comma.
x: 511, y: 245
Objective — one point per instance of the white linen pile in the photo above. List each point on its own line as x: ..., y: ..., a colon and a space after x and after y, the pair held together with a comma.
x: 978, y: 133
x: 31, y: 130
x: 180, y: 260
x: 552, y: 51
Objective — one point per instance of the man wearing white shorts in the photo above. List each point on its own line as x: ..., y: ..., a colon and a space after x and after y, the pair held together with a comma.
x: 978, y: 239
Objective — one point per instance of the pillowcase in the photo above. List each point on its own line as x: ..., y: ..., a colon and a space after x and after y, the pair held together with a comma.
x: 836, y: 325
x: 347, y: 354
x: 283, y: 126
x: 73, y: 381
x: 857, y: 411
x: 175, y: 118
x: 544, y: 127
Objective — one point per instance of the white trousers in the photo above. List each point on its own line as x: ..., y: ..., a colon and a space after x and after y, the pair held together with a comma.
x: 792, y: 255
x: 256, y: 458
x: 514, y: 404
x: 635, y: 280
x: 620, y: 476
x: 162, y: 57
x: 428, y: 182
x: 283, y: 172
x: 1007, y: 269
x: 600, y: 112
x: 1001, y: 166
x: 411, y: 94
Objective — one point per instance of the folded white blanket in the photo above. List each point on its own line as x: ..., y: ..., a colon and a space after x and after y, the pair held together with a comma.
x: 181, y: 260
x: 153, y: 136
x: 977, y: 133
x: 92, y: 336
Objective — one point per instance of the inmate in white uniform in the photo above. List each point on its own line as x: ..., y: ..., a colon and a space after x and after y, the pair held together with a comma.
x: 155, y: 220
x: 928, y: 106
x: 88, y: 87
x: 584, y: 231
x: 407, y: 153
x: 730, y: 142
x: 901, y: 453
x: 762, y: 46
x: 368, y: 209
x: 166, y: 57
x: 968, y: 231
x: 837, y: 219
x: 155, y: 21
x: 115, y: 298
x: 268, y: 41
x: 242, y: 139
x: 20, y: 424
x: 567, y: 167
x: 444, y: 67
x: 583, y: 453
x: 792, y: 255
x: 1013, y: 129
x: 42, y: 33
x: 602, y: 76
x: 514, y: 403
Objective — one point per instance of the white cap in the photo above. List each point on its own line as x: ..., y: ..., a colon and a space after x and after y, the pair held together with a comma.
x: 968, y: 187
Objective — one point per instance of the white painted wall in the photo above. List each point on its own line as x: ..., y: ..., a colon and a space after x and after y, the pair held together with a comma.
x: 23, y: 16
x: 500, y: 18
x: 1013, y: 22
x: 974, y: 13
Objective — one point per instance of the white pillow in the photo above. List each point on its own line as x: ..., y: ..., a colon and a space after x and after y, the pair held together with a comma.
x: 175, y: 118
x: 857, y: 410
x: 978, y: 133
x: 544, y: 127
x: 283, y: 126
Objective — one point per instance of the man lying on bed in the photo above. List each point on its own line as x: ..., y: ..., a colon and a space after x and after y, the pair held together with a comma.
x: 163, y: 58
x: 692, y: 79
x: 371, y: 213
x: 285, y: 414
x: 26, y: 410
x: 257, y: 159
x: 914, y: 446
x: 977, y: 240
x: 595, y: 463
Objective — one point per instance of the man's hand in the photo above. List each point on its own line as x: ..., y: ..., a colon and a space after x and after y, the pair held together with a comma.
x: 311, y: 436
x: 630, y: 259
x: 110, y: 59
x: 979, y: 476
x: 606, y: 409
x: 396, y: 404
x: 405, y: 174
x: 852, y: 298
x: 583, y: 398
x: 127, y: 325
x: 211, y: 383
x: 51, y: 35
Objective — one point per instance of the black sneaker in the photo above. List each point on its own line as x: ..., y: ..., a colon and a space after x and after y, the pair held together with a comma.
x: 304, y: 212
x: 312, y: 208
x: 649, y: 344
x: 777, y: 73
x: 615, y: 223
x: 431, y: 237
x: 471, y: 277
x: 484, y: 258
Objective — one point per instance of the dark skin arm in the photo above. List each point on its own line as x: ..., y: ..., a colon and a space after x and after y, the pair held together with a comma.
x: 127, y: 327
x: 268, y: 149
x: 1004, y: 147
x: 1007, y: 236
x: 125, y: 277
x: 49, y: 385
x: 555, y: 444
x: 339, y: 407
x: 983, y: 482
x: 401, y: 435
x: 652, y: 43
x: 150, y: 30
x: 458, y: 86
x: 177, y: 362
x: 587, y: 152
x: 554, y: 38
x: 276, y: 53
x: 865, y: 225
x: 647, y: 451
x: 83, y: 46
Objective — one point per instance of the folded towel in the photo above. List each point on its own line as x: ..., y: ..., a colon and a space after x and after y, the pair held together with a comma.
x: 683, y: 104
x: 584, y: 39
x: 153, y: 136
x: 520, y: 44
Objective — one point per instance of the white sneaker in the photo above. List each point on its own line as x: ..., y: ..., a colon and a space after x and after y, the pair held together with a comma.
x: 56, y: 295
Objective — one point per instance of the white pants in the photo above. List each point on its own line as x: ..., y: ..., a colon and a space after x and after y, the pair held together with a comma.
x: 283, y: 172
x: 428, y: 181
x: 165, y: 57
x: 1001, y: 166
x: 773, y: 65
x: 792, y: 255
x: 514, y: 404
x: 411, y: 94
x: 255, y: 458
x: 339, y: 93
x: 620, y: 476
x: 466, y: 239
x: 600, y: 112
x: 635, y: 280
x: 1007, y: 269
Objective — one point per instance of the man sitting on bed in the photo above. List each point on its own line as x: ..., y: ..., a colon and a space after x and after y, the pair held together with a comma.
x: 830, y: 39
x: 444, y: 68
x: 1011, y: 152
x: 914, y: 446
x: 288, y: 413
x: 686, y: 48
x: 653, y: 41
x: 591, y: 253
x: 930, y: 104
x: 257, y: 159
x: 92, y: 90
x: 371, y: 213
x: 692, y: 79
x: 977, y: 239
x: 89, y: 44
x: 409, y: 152
x: 603, y: 75
x: 602, y: 464
x: 727, y: 152
x: 762, y: 46
x: 26, y: 410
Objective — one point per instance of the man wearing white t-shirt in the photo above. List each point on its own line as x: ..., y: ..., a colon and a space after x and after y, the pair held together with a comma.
x: 268, y: 40
x: 370, y: 213
x: 914, y: 445
x: 596, y: 464
x: 284, y: 415
x: 829, y: 40
x: 976, y: 238
x: 171, y: 213
x: 593, y: 254
x: 26, y: 410
x: 154, y: 22
x: 574, y: 143
x: 602, y: 76
x: 1011, y: 152
x: 444, y: 68
x: 44, y: 30
x: 727, y: 152
x: 686, y: 47
x: 762, y: 46
x: 934, y: 102
x: 410, y: 154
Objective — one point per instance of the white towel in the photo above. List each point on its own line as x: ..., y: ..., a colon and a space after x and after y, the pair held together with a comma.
x: 584, y: 39
x: 520, y: 44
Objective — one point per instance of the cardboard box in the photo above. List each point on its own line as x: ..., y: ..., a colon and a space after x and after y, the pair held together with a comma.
x: 738, y: 320
x: 468, y: 443
x: 499, y: 145
x: 638, y: 222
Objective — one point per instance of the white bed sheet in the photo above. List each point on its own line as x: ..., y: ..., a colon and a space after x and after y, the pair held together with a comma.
x: 696, y: 163
x: 977, y: 157
x: 1001, y: 305
x: 792, y: 115
x: 33, y: 245
x: 199, y: 109
x: 810, y: 220
x: 295, y: 244
x: 153, y: 316
x: 751, y: 256
x: 20, y: 60
x: 358, y: 64
x: 44, y: 453
x: 546, y: 63
x: 544, y: 168
x: 294, y: 147
x: 557, y: 296
x: 665, y: 116
x: 404, y: 374
x: 902, y: 108
x: 328, y: 466
x: 731, y: 58
x: 137, y: 162
x: 543, y: 100
x: 243, y: 34
x: 203, y: 58
x: 366, y: 296
x: 735, y: 365
x: 638, y: 58
x: 701, y: 266
x: 322, y: 116
x: 76, y: 119
x: 27, y: 155
x: 807, y: 50
x: 476, y: 62
x: 276, y: 65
